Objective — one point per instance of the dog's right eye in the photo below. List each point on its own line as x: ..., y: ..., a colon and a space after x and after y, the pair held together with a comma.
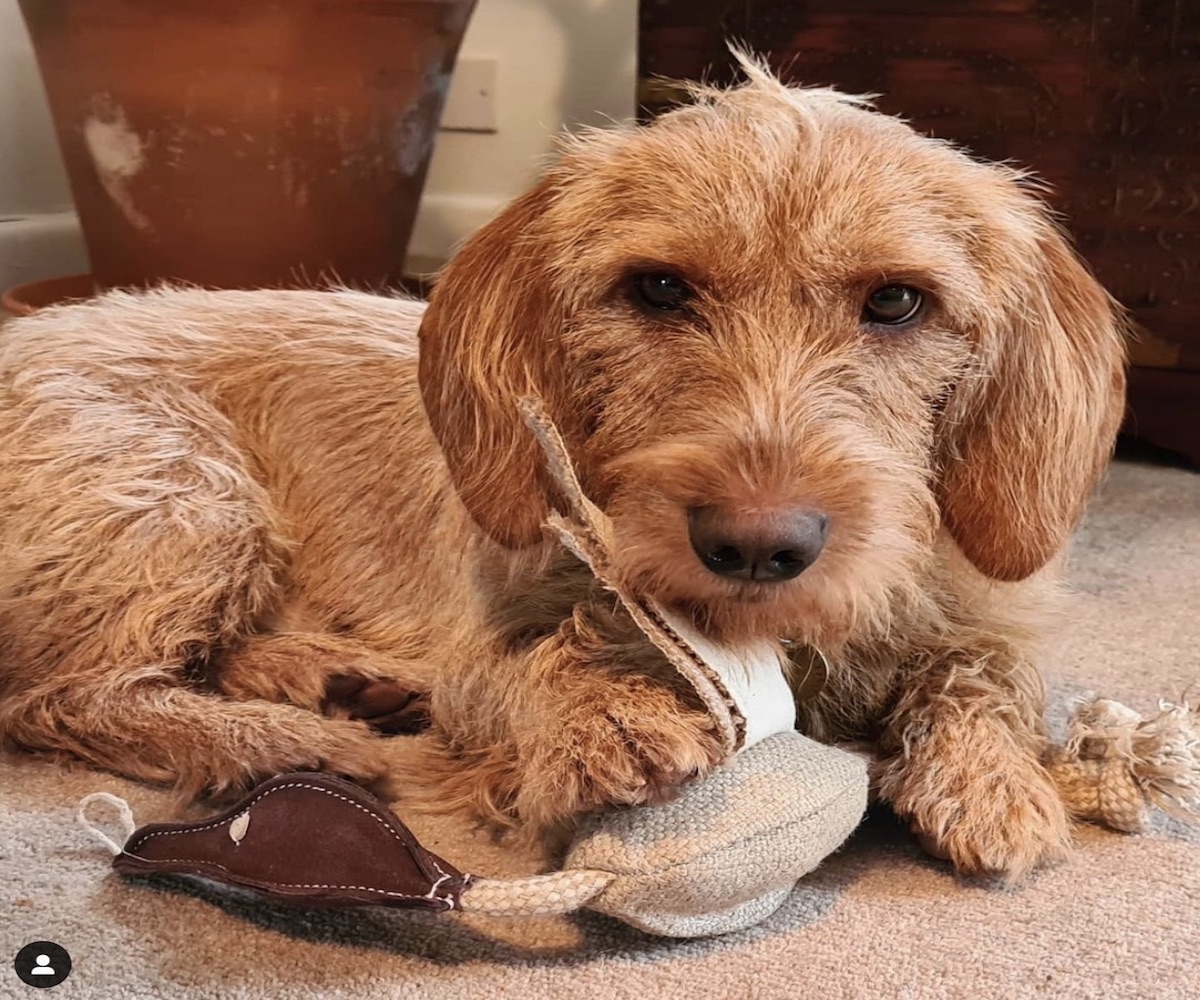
x: 662, y: 292
x: 892, y: 305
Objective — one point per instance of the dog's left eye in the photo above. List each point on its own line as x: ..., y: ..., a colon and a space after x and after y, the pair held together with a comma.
x: 892, y: 305
x: 663, y: 292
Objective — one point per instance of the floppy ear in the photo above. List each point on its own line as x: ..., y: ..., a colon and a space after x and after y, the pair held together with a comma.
x: 1025, y: 440
x: 489, y: 337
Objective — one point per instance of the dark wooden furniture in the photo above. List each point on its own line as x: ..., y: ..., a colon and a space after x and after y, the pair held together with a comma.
x: 1100, y: 97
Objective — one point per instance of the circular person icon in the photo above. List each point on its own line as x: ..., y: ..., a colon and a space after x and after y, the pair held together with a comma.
x: 42, y: 964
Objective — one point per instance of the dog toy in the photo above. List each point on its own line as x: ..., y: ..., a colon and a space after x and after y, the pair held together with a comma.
x: 1115, y: 764
x: 722, y: 856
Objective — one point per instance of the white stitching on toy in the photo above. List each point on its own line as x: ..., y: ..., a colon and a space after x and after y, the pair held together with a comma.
x: 432, y: 893
x: 311, y: 885
x: 258, y: 798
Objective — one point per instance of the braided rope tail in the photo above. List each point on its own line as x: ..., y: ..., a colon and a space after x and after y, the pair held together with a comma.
x: 538, y: 895
x: 1116, y: 764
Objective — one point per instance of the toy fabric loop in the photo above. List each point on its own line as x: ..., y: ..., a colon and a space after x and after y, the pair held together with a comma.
x: 124, y: 816
x: 743, y: 690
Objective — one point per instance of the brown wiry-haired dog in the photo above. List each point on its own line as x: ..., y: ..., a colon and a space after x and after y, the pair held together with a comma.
x: 835, y: 383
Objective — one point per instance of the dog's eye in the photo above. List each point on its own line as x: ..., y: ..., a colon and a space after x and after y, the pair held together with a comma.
x: 664, y: 292
x: 892, y: 305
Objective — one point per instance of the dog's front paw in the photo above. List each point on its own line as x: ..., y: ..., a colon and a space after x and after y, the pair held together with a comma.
x: 638, y: 743
x: 384, y: 704
x: 329, y: 674
x: 1008, y: 828
x: 990, y: 808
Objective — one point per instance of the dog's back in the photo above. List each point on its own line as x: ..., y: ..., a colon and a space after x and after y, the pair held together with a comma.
x: 182, y: 468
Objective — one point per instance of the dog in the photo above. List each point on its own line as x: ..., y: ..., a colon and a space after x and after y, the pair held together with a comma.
x: 838, y: 385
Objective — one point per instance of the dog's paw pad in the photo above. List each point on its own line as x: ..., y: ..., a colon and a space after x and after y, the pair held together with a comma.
x: 383, y: 704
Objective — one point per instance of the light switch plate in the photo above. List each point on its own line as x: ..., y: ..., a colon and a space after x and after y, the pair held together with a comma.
x: 471, y: 100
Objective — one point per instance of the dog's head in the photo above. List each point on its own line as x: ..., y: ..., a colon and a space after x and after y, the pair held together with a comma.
x: 786, y: 337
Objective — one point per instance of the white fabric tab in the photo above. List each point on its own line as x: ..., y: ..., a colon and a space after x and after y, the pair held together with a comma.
x: 753, y: 676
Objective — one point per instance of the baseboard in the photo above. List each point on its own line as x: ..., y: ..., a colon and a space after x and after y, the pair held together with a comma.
x: 40, y: 246
x: 1164, y: 409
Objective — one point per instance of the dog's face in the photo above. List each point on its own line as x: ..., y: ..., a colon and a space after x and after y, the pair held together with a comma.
x: 786, y: 337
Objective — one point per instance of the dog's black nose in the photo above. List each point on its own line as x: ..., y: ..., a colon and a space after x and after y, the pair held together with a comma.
x: 768, y: 548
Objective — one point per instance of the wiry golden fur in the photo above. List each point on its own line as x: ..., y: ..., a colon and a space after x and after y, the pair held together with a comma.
x: 224, y: 513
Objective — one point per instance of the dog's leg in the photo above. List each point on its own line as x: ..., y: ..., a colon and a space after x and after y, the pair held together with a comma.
x: 203, y: 744
x: 137, y: 545
x: 581, y: 722
x: 331, y: 674
x: 965, y: 747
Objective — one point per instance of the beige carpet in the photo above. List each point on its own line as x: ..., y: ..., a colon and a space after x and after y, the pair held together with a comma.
x: 878, y: 920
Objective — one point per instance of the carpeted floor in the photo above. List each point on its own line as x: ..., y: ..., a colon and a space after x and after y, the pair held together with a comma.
x: 878, y: 920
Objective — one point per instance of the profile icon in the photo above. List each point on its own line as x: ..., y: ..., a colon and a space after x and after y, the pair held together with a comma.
x: 42, y: 964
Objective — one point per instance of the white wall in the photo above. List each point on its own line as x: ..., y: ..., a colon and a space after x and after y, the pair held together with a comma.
x: 561, y: 63
x: 39, y: 235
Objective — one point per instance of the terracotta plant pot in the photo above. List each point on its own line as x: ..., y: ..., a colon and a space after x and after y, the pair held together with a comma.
x: 246, y: 143
x: 24, y: 300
